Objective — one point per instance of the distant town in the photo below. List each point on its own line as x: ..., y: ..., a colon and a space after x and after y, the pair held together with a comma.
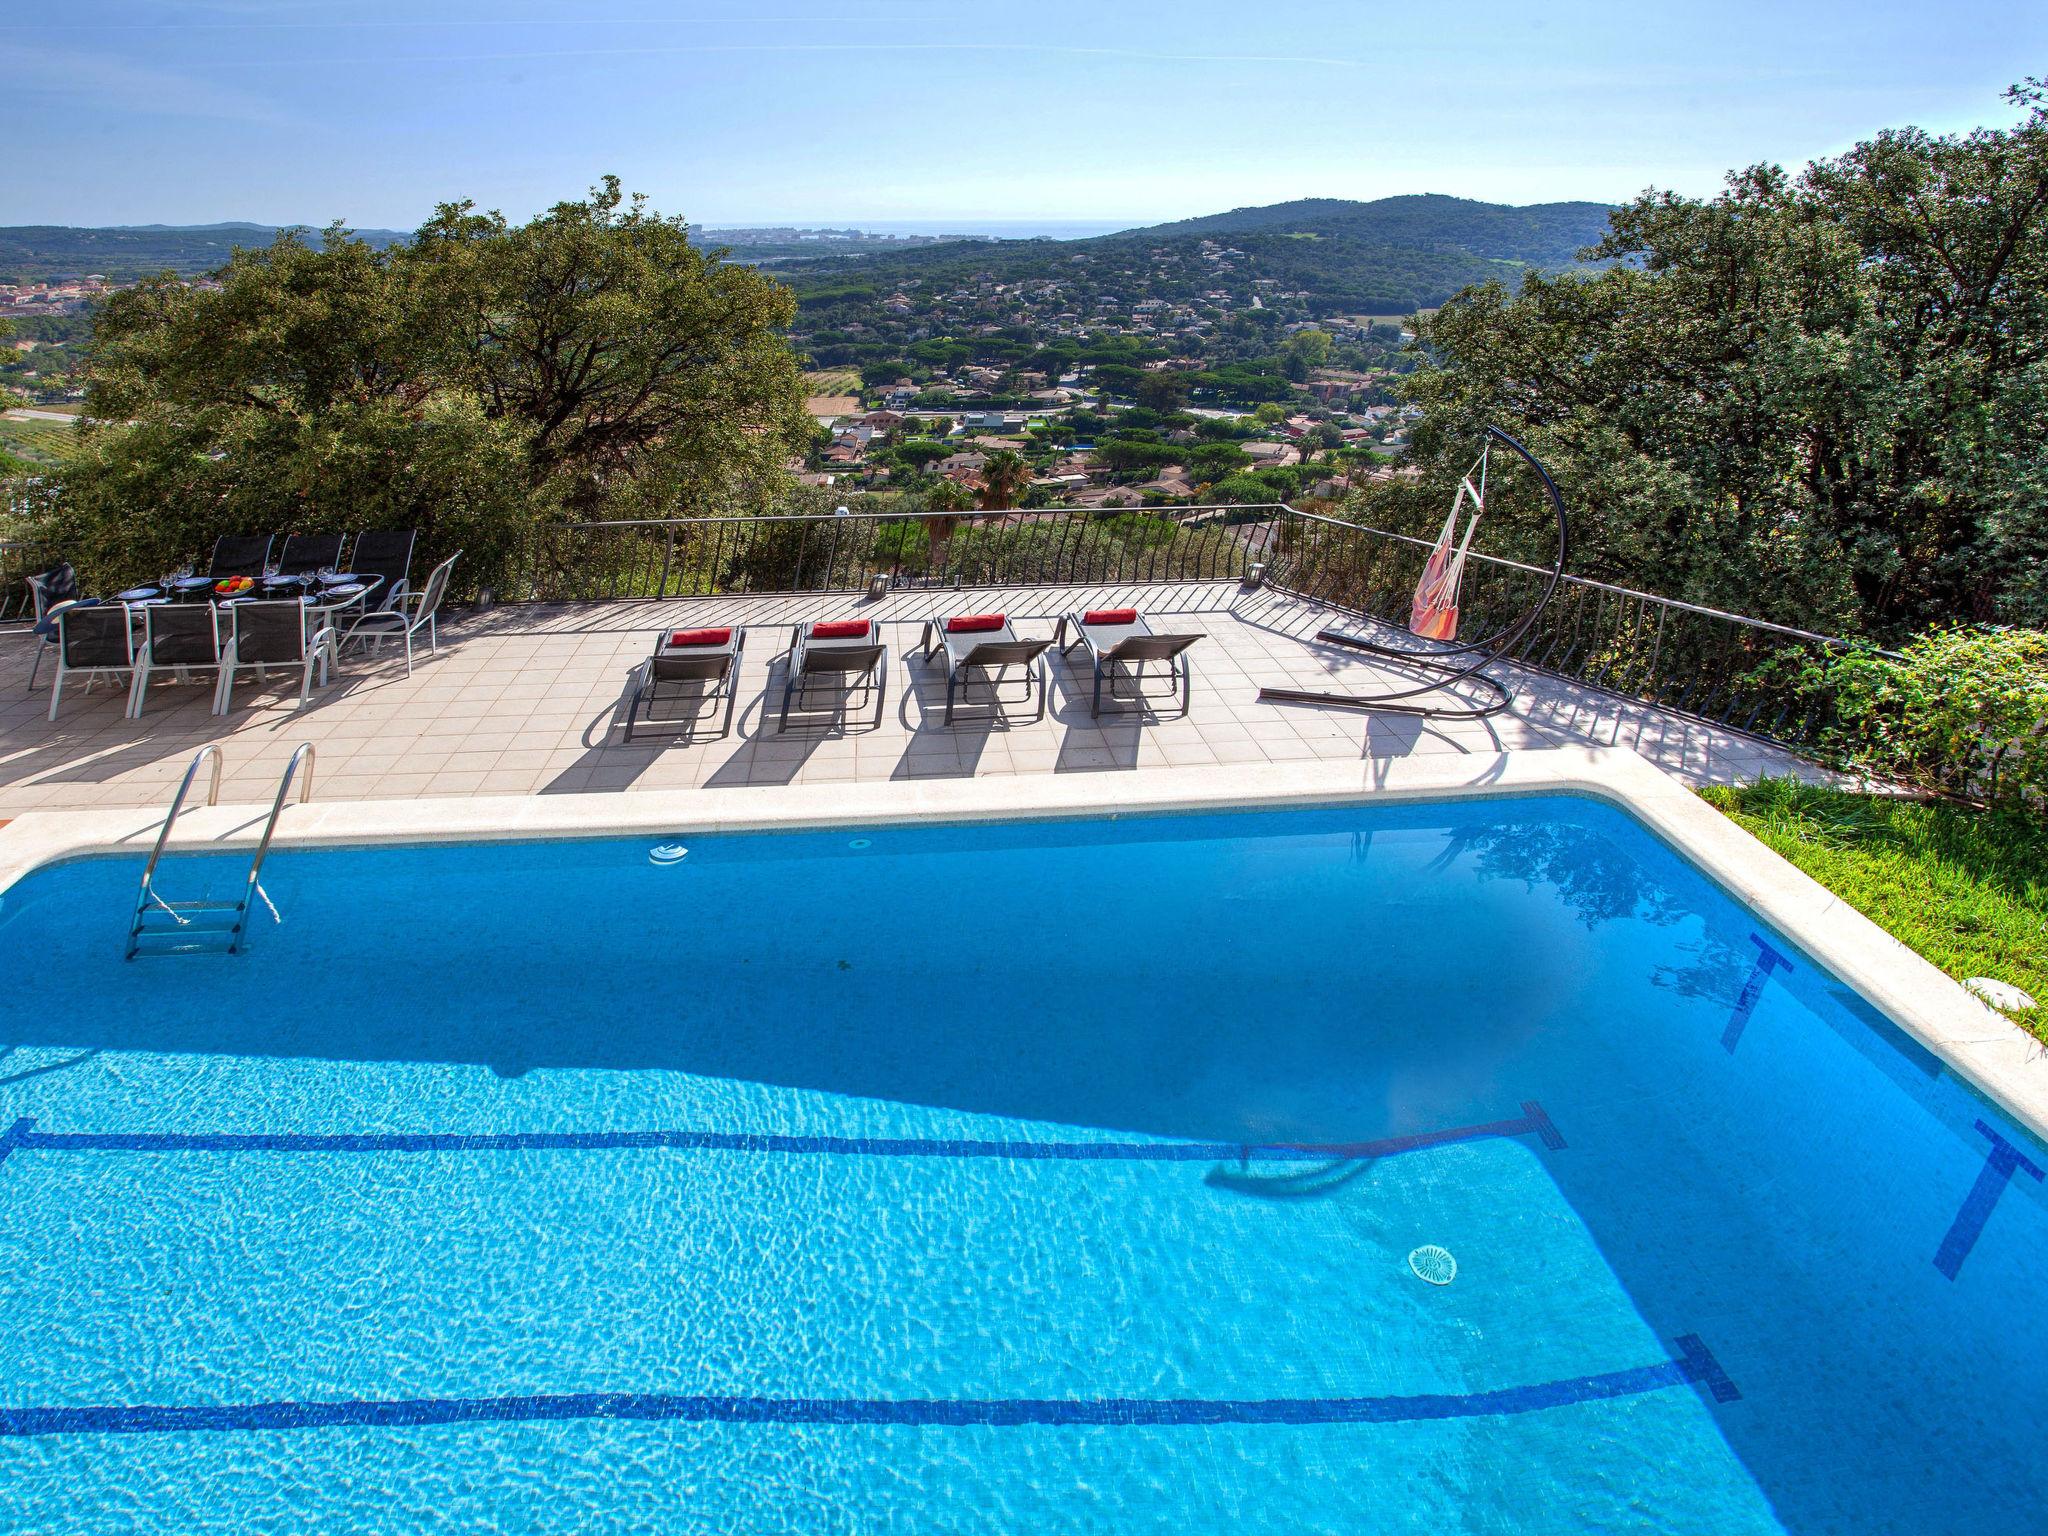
x: 1129, y: 376
x: 1124, y: 374
x: 1246, y: 357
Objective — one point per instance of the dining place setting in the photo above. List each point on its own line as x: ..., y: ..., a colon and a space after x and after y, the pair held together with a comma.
x: 325, y: 591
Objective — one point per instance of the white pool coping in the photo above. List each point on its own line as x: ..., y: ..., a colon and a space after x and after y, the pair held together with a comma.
x: 1984, y: 1047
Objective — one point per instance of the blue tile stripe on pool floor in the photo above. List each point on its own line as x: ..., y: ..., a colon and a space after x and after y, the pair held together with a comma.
x: 2000, y: 1164
x: 1767, y: 961
x: 22, y: 1136
x: 1694, y: 1366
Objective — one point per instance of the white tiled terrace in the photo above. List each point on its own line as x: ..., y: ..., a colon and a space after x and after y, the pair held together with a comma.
x: 530, y: 700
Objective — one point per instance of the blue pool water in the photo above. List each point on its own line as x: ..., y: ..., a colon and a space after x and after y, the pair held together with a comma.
x: 1024, y: 1177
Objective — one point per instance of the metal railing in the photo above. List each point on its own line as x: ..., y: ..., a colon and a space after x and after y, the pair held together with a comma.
x: 1064, y: 546
x: 1765, y: 679
x: 17, y: 605
x: 1755, y: 676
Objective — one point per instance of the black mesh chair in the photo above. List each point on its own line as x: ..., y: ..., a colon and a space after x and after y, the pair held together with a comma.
x: 237, y: 554
x: 266, y: 635
x: 53, y: 590
x: 176, y: 637
x: 385, y: 554
x: 845, y: 658
x: 95, y: 639
x: 1120, y: 641
x: 304, y: 553
x: 975, y: 644
x: 703, y: 662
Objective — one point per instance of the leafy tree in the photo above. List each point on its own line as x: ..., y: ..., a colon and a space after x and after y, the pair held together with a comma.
x: 1321, y: 437
x: 1053, y: 362
x: 920, y: 452
x: 481, y: 383
x: 1310, y: 346
x: 1242, y: 490
x: 623, y: 349
x: 1821, y: 397
x: 903, y: 543
x: 1003, y: 479
x: 1216, y: 461
x: 1120, y: 455
x: 1164, y: 391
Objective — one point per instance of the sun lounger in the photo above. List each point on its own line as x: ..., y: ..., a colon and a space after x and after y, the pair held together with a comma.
x: 1121, y: 639
x: 704, y: 661
x: 986, y: 643
x: 845, y: 657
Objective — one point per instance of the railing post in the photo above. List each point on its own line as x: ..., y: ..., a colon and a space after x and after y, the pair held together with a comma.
x: 668, y: 554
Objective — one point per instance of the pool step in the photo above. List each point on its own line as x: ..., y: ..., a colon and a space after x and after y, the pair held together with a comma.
x: 180, y: 928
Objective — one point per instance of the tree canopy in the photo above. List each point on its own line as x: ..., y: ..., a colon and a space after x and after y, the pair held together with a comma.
x: 479, y: 382
x: 1822, y: 397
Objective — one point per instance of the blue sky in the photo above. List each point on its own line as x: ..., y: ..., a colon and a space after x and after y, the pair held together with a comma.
x: 834, y: 111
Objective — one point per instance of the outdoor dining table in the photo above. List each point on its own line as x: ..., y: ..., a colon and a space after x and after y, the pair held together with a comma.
x: 322, y: 598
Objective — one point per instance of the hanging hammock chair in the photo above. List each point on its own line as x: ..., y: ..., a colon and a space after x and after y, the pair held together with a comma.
x: 1441, y: 660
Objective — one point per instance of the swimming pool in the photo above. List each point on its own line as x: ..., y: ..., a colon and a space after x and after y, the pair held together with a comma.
x: 1019, y: 1176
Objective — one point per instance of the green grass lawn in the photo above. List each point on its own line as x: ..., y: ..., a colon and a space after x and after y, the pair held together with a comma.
x: 1967, y: 889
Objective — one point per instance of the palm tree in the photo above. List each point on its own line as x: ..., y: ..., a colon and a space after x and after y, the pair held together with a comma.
x: 1003, y: 479
x: 944, y: 496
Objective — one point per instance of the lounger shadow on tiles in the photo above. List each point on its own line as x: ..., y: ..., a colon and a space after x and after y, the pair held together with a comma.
x: 1119, y: 640
x: 698, y: 665
x: 986, y: 644
x: 845, y: 659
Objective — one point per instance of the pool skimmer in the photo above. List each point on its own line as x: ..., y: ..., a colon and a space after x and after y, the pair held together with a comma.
x: 1433, y: 1265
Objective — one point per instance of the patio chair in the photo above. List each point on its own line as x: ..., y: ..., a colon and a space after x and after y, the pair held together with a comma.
x: 1120, y: 638
x: 986, y: 643
x: 385, y: 554
x: 272, y: 634
x: 708, y: 659
x: 304, y: 553
x: 847, y: 656
x: 407, y: 615
x: 93, y: 638
x: 240, y: 555
x: 176, y: 637
x: 54, y: 589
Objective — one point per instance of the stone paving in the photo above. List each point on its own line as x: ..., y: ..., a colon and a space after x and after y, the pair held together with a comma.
x: 530, y: 700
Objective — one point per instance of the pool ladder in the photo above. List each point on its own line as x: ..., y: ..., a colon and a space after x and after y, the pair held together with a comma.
x: 221, y: 925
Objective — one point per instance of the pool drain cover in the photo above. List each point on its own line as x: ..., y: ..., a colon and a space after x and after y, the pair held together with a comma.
x: 666, y: 853
x: 1433, y: 1265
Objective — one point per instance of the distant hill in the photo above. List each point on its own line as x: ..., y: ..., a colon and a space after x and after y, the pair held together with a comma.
x: 1543, y: 234
x: 1387, y: 257
x: 39, y: 252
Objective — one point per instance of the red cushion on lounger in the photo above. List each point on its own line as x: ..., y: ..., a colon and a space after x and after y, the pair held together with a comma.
x: 1110, y: 616
x: 700, y: 637
x: 840, y: 629
x: 975, y: 623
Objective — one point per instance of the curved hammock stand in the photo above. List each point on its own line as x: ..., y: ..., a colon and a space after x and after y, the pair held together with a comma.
x: 1448, y: 663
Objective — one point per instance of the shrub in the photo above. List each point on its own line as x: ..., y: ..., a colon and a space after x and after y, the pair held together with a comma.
x: 1961, y: 712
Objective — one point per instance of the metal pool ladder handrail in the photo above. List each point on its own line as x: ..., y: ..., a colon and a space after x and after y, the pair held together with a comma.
x: 147, y: 900
x: 284, y: 788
